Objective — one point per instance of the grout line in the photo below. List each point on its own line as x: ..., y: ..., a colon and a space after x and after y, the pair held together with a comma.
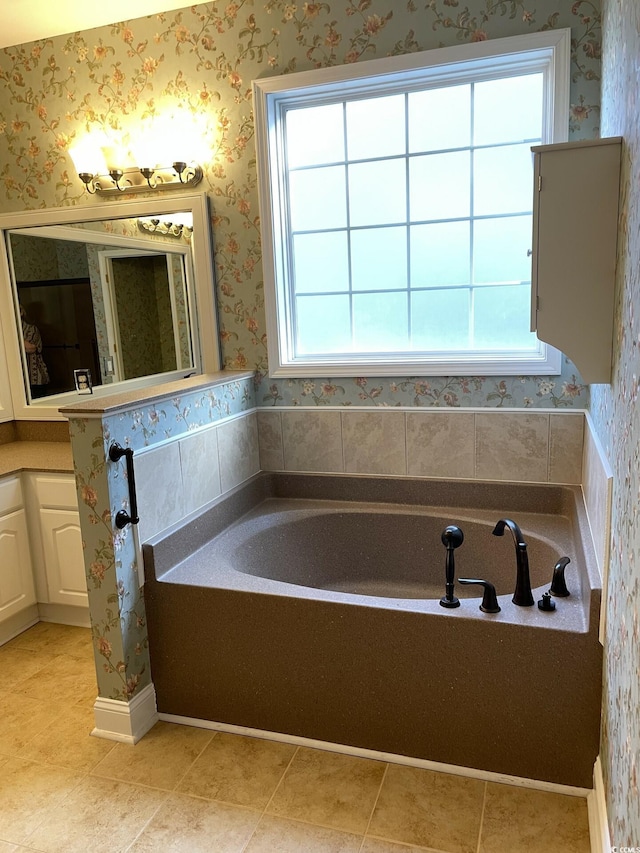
x: 548, y: 448
x: 484, y: 805
x: 270, y: 800
x: 145, y: 825
x: 375, y: 803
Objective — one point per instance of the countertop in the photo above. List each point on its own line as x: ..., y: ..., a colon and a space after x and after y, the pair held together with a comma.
x: 17, y: 456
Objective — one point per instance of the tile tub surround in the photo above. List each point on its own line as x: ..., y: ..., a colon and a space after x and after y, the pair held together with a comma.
x: 379, y: 673
x: 523, y: 446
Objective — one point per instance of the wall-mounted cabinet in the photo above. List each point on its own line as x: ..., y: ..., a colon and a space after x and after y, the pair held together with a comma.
x: 575, y: 227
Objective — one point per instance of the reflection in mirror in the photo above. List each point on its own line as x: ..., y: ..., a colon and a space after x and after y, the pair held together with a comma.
x: 103, y: 296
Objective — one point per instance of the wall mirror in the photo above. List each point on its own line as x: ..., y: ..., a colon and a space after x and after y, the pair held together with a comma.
x: 122, y: 290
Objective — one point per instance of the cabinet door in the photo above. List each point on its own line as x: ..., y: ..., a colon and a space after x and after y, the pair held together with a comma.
x: 574, y: 254
x: 59, y: 525
x: 16, y: 577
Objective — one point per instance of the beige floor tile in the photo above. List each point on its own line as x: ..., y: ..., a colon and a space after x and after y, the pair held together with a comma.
x: 63, y: 679
x: 16, y: 665
x: 240, y: 770
x: 429, y: 809
x: 159, y: 760
x: 67, y: 741
x: 54, y: 639
x: 21, y: 719
x: 375, y: 845
x: 188, y: 825
x: 326, y: 788
x: 100, y: 815
x: 290, y: 836
x: 535, y: 821
x: 27, y: 791
x: 8, y: 848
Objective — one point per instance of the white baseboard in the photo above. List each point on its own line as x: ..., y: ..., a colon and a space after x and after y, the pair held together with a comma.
x: 360, y: 752
x: 597, y: 806
x: 126, y: 722
x: 64, y: 614
x: 19, y: 622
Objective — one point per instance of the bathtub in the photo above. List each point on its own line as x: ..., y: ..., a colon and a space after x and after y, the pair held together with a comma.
x: 308, y: 605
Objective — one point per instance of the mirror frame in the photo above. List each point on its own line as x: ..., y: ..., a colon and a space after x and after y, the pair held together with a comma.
x: 206, y: 347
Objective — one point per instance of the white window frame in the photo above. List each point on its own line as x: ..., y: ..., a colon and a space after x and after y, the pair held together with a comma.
x: 549, y: 52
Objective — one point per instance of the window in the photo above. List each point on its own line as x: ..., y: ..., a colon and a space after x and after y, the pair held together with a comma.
x: 396, y: 206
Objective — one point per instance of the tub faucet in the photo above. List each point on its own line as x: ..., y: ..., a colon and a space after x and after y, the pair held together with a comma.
x: 522, y: 595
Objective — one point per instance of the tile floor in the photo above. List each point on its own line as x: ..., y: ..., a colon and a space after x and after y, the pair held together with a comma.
x: 189, y: 789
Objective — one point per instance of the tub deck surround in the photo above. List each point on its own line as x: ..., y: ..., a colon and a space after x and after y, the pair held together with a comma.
x: 517, y: 692
x: 156, y: 420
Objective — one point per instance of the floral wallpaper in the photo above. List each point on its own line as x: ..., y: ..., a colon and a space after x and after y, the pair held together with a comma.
x: 615, y: 411
x: 200, y: 61
x: 115, y: 599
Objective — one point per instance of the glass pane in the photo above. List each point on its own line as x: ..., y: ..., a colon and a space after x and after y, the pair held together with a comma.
x: 315, y: 135
x: 321, y: 262
x: 377, y: 193
x: 508, y: 110
x: 503, y: 180
x: 440, y: 254
x: 380, y: 322
x: 440, y: 319
x: 379, y: 258
x: 439, y: 119
x: 501, y: 318
x: 318, y: 199
x: 440, y: 187
x: 500, y: 249
x: 322, y: 324
x: 376, y: 127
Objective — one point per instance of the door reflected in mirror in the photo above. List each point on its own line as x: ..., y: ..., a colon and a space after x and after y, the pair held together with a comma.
x: 118, y: 305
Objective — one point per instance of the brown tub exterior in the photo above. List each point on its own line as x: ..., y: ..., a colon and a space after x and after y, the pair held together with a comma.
x: 516, y: 692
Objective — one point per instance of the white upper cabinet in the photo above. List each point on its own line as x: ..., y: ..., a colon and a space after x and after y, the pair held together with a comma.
x: 575, y: 227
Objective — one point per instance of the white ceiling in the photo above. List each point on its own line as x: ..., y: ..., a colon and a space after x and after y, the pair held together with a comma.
x: 29, y: 20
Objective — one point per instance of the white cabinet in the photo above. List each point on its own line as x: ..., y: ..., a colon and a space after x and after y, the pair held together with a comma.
x: 16, y: 576
x: 57, y: 541
x: 575, y: 226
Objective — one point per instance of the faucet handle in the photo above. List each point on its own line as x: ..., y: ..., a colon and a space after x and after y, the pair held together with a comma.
x: 489, y: 598
x: 558, y: 584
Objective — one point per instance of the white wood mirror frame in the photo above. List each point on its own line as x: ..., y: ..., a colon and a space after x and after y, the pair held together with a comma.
x: 204, y: 318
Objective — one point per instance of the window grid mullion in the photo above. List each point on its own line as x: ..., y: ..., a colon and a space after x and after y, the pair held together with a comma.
x: 408, y: 216
x: 352, y: 319
x: 472, y: 324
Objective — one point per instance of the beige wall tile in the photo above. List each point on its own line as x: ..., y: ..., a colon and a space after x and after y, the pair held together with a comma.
x: 596, y: 486
x: 200, y: 469
x: 159, y: 488
x: 566, y: 438
x: 441, y: 444
x: 535, y: 821
x: 512, y: 446
x: 238, y: 451
x: 430, y: 809
x: 312, y: 441
x: 338, y: 791
x: 270, y: 440
x: 374, y: 442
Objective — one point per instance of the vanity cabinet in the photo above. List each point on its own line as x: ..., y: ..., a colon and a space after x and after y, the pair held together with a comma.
x: 56, y: 544
x: 575, y: 226
x: 17, y: 591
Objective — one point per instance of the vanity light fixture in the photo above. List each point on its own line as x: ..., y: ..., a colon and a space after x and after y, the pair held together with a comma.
x: 165, y: 227
x: 113, y: 181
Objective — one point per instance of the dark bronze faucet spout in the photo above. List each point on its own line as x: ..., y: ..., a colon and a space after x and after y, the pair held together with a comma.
x: 522, y: 595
